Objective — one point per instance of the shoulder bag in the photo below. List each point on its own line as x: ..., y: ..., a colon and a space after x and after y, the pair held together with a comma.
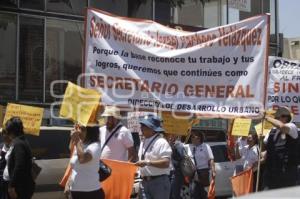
x: 104, y: 170
x: 187, y: 166
x: 35, y: 170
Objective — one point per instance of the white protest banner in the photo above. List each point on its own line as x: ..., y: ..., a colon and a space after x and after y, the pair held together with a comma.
x: 219, y: 72
x: 284, y: 85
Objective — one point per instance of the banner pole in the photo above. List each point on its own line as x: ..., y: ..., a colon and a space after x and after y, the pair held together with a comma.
x: 259, y: 154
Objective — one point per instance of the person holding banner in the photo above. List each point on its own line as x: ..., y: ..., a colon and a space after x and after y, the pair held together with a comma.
x: 281, y: 148
x: 203, y: 158
x: 116, y: 140
x: 241, y: 142
x: 249, y: 155
x: 154, y: 160
x: 19, y: 162
x: 84, y: 179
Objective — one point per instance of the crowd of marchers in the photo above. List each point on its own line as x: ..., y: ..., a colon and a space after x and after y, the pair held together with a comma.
x: 159, y: 157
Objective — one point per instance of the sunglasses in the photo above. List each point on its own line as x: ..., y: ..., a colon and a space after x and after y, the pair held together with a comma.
x: 284, y: 116
x: 195, y: 136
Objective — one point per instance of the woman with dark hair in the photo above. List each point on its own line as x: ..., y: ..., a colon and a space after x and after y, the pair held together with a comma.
x: 84, y: 180
x: 203, y: 159
x: 19, y: 162
x: 249, y: 153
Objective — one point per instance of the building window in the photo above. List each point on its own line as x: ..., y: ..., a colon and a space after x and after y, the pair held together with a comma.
x: 162, y: 12
x: 75, y: 7
x: 118, y: 7
x: 212, y: 15
x: 190, y: 14
x: 32, y: 4
x: 9, y: 3
x: 63, y: 53
x: 31, y: 56
x: 8, y: 30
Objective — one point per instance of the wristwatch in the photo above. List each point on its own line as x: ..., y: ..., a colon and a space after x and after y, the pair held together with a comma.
x: 148, y: 162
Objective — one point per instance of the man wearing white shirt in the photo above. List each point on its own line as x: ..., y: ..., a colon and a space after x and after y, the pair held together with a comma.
x: 116, y: 140
x: 281, y: 147
x: 154, y: 160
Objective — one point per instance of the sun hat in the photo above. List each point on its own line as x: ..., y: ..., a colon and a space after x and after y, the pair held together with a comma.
x: 111, y: 111
x: 153, y: 122
x: 283, y: 111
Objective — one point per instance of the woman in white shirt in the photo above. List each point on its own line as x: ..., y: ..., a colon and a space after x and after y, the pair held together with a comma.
x: 249, y: 153
x: 202, y: 156
x: 84, y: 180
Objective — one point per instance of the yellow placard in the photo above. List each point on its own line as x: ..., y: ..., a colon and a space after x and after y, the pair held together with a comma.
x: 79, y: 104
x: 30, y: 116
x: 241, y: 127
x: 1, y: 115
x: 270, y: 113
x: 175, y: 126
x: 259, y: 130
x: 267, y: 125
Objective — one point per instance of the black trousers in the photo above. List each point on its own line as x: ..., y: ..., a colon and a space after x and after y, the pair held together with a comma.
x: 177, y: 181
x: 98, y: 194
x: 198, y: 191
x: 278, y: 179
x: 23, y: 192
x: 4, y: 189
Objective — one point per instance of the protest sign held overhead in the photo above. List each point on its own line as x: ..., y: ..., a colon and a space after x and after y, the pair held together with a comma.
x: 218, y: 72
x: 30, y: 116
x: 284, y: 85
x: 80, y: 104
x: 133, y: 121
x: 241, y: 127
x: 175, y: 125
x: 263, y: 128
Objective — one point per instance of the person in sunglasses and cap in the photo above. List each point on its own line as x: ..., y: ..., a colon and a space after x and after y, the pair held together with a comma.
x: 281, y: 151
x: 154, y: 160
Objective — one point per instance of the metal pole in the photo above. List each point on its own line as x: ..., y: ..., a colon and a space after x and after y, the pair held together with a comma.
x: 276, y: 27
x: 227, y: 12
x: 153, y: 10
x: 17, y: 59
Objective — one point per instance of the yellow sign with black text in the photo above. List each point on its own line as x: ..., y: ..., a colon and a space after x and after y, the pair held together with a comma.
x: 241, y: 127
x: 30, y: 116
x: 80, y: 104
